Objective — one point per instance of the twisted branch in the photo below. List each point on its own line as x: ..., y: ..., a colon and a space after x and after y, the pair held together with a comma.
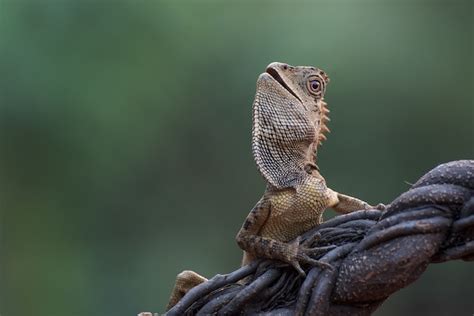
x: 376, y: 253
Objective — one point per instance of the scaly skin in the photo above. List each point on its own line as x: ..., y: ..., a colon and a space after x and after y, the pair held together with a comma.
x: 284, y: 214
x: 289, y: 122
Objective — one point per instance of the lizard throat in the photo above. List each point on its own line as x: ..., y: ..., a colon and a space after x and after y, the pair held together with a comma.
x: 275, y: 75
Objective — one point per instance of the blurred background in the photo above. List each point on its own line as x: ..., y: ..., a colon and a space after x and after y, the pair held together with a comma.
x: 125, y: 136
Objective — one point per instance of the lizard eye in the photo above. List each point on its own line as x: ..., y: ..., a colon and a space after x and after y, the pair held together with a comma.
x: 314, y: 86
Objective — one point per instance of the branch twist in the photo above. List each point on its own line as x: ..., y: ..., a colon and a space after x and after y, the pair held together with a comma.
x: 376, y: 254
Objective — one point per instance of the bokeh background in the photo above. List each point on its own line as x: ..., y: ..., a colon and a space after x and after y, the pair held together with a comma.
x: 125, y: 136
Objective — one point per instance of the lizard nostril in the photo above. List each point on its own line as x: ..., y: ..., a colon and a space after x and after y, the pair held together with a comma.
x: 285, y: 67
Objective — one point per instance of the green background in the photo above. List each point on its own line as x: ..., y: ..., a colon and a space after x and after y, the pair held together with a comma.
x: 125, y: 136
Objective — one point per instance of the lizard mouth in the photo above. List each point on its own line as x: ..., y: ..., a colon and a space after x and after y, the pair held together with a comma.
x: 275, y: 75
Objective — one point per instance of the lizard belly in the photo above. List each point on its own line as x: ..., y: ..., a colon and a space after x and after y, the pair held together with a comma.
x: 295, y: 211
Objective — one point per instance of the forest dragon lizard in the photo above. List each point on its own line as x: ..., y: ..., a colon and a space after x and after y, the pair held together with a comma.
x: 289, y: 123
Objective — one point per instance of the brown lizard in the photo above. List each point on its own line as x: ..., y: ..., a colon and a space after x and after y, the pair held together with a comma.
x: 289, y: 123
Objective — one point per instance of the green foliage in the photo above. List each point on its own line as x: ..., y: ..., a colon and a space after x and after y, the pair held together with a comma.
x: 125, y: 135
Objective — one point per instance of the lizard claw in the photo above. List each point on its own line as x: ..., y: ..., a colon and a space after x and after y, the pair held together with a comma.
x: 314, y: 251
x: 303, y: 255
x: 305, y: 258
x: 298, y: 268
x: 293, y: 257
x: 311, y: 240
x: 319, y: 250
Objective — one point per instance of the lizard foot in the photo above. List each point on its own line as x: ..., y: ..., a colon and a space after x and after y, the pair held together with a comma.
x: 380, y: 207
x: 302, y: 254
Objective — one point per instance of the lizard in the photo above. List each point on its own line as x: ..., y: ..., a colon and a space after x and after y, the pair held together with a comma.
x: 290, y: 120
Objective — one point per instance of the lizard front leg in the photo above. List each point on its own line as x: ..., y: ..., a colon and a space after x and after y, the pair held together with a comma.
x: 344, y: 204
x: 293, y: 253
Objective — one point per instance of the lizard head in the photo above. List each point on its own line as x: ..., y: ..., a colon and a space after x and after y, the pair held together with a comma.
x: 307, y: 85
x: 289, y: 122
